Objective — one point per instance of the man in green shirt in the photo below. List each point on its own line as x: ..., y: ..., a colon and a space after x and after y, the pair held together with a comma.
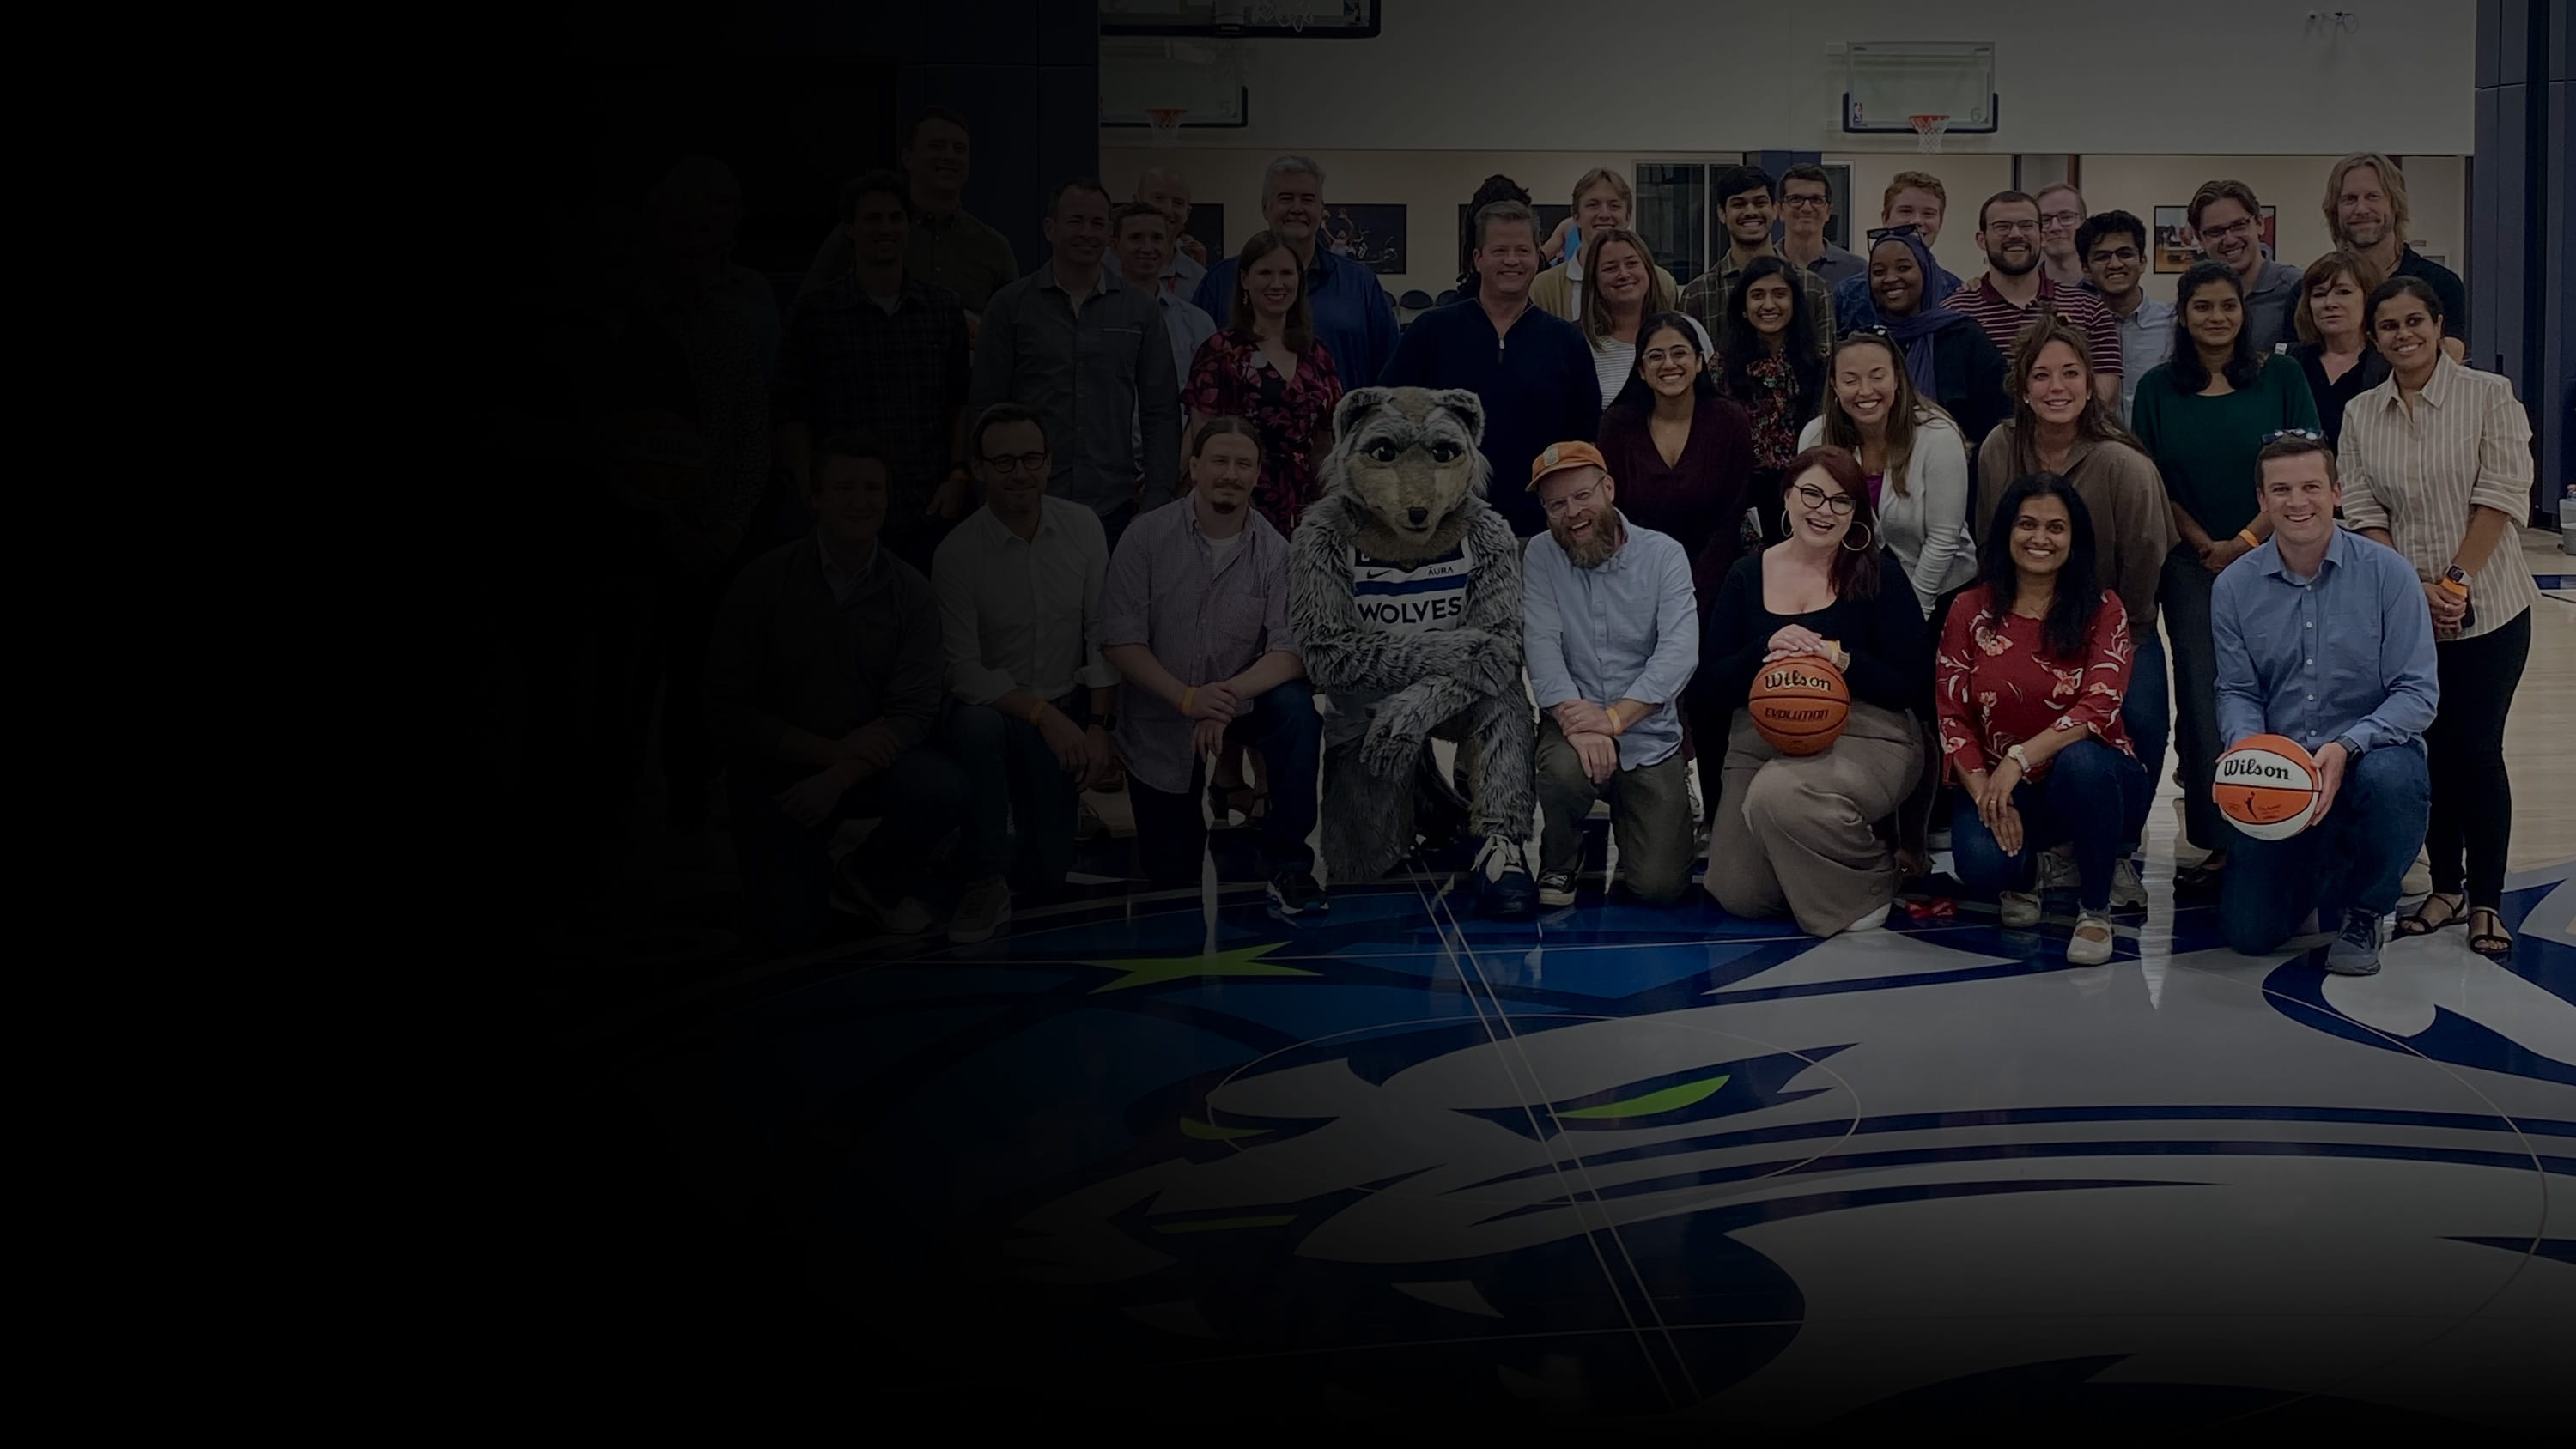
x: 948, y: 247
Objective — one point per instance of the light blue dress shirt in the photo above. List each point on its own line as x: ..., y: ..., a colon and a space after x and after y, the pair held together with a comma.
x: 1626, y: 630
x: 2347, y: 655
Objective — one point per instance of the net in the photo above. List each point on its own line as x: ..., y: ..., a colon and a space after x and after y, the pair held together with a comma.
x: 1166, y: 121
x: 1930, y: 129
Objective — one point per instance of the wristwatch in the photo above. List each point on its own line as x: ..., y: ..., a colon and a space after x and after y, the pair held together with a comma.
x: 2017, y: 757
x: 2455, y: 580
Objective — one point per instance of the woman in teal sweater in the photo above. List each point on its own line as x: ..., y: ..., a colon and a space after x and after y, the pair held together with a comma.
x: 2203, y: 416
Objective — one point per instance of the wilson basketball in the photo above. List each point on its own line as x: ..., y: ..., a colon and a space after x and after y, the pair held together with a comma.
x: 1799, y: 704
x: 2267, y: 787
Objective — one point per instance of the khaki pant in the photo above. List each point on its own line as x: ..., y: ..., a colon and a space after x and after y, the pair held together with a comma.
x: 1649, y: 813
x: 1808, y: 836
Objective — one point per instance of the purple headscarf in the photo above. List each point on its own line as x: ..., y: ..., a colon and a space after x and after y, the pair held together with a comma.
x: 1916, y: 335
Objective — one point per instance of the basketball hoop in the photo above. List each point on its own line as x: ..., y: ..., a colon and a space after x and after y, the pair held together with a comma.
x: 1166, y: 121
x: 1930, y: 129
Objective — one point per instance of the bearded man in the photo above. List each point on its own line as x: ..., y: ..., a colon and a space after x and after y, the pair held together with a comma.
x: 1610, y: 627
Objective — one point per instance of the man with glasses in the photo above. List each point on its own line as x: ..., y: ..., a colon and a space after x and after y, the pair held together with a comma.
x: 2229, y: 223
x: 1612, y: 631
x: 1019, y: 585
x: 2061, y: 213
x: 1807, y: 204
x: 2114, y: 245
x: 1744, y: 207
x: 2013, y: 291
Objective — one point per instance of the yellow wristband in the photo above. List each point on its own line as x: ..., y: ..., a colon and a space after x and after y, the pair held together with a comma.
x: 1037, y: 711
x: 2246, y: 536
x: 1615, y: 726
x: 1187, y: 696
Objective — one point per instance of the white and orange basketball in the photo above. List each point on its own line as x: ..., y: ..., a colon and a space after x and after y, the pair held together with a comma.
x: 1799, y: 704
x: 2267, y: 787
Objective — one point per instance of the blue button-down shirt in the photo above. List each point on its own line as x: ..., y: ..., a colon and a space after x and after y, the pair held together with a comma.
x: 2146, y: 341
x: 1353, y: 318
x: 2347, y: 655
x: 1626, y: 630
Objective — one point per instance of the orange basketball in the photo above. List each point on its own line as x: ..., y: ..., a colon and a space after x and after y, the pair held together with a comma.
x: 1799, y: 704
x: 2267, y: 786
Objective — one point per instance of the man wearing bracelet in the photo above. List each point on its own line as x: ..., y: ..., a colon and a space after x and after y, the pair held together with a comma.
x: 1611, y: 626
x: 1196, y: 616
x: 823, y: 683
x: 1019, y: 584
x: 2325, y: 637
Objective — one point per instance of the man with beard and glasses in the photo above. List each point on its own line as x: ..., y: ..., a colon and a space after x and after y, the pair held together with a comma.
x: 2014, y: 291
x: 1612, y: 630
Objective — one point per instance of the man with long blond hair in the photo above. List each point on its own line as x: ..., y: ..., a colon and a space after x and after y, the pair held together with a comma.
x: 2366, y: 211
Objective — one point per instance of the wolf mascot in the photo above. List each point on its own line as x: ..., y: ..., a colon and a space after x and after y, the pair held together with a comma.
x: 1405, y: 592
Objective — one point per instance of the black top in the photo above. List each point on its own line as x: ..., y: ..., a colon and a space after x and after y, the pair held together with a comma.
x: 1968, y: 376
x: 2445, y: 284
x: 2330, y: 397
x: 1891, y: 655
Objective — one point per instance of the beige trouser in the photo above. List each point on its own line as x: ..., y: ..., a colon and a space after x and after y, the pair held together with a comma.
x: 1803, y: 834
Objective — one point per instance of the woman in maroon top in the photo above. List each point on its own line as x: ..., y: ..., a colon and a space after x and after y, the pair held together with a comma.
x: 2033, y: 665
x: 1682, y: 455
x: 1266, y: 365
x: 1683, y: 460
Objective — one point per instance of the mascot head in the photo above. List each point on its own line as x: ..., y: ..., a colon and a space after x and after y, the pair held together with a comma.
x: 1408, y: 456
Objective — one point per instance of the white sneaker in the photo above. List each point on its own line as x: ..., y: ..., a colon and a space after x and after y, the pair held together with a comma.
x: 1500, y: 857
x: 2020, y: 910
x: 2056, y: 871
x: 906, y: 916
x: 1870, y: 922
x: 986, y: 906
x: 2082, y: 950
x: 2126, y: 889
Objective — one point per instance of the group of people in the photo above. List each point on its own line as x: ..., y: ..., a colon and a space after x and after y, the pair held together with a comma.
x: 1041, y: 538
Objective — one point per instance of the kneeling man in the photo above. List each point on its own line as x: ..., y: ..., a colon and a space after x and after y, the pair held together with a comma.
x: 2324, y: 636
x: 1196, y: 617
x: 1612, y: 632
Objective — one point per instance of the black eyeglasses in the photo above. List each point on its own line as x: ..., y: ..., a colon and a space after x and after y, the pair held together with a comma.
x: 1006, y: 463
x: 1884, y: 233
x: 1815, y: 497
x: 2308, y: 433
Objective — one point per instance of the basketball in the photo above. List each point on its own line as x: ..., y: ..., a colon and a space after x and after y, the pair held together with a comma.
x: 2267, y: 787
x: 1799, y: 704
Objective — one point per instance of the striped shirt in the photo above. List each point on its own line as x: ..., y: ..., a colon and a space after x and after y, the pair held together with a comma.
x: 2003, y: 321
x: 2466, y: 446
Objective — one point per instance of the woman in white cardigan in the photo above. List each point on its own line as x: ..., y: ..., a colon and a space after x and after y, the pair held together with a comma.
x: 1914, y: 457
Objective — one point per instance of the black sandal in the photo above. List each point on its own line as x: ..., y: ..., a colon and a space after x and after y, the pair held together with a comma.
x: 2418, y: 925
x: 2495, y: 945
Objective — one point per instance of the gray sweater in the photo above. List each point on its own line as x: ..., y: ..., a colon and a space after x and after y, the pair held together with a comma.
x: 2132, y: 528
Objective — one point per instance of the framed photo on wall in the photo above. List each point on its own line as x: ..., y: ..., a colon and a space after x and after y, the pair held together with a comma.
x: 1369, y: 234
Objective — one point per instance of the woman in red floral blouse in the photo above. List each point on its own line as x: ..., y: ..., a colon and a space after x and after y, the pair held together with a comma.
x: 1267, y: 366
x: 2034, y: 662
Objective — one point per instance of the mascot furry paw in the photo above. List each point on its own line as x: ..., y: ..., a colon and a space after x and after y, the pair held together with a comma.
x: 1405, y: 590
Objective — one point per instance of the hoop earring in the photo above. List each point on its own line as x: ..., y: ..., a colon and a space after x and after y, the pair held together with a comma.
x: 1864, y: 548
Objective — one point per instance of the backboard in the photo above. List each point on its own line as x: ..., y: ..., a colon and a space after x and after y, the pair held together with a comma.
x: 1203, y: 78
x: 1242, y: 19
x: 1888, y: 83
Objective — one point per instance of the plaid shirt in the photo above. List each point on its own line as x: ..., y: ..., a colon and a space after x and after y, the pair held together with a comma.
x: 848, y: 364
x: 1706, y: 299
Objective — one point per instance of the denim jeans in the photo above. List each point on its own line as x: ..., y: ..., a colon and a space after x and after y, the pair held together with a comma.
x: 1021, y: 805
x: 2355, y: 857
x: 1171, y: 837
x: 2091, y: 794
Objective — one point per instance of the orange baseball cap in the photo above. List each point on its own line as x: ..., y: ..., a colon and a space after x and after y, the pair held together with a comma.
x: 1560, y: 456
